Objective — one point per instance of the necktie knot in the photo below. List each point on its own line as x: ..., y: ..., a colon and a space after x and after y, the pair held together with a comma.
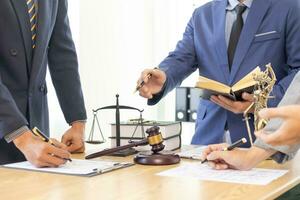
x: 240, y: 9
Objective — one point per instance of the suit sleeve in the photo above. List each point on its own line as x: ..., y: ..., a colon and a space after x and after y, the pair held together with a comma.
x: 292, y: 53
x: 179, y: 64
x: 63, y: 66
x: 11, y: 117
x: 291, y: 97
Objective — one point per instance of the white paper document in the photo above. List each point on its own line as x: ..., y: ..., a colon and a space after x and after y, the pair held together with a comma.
x: 256, y: 176
x: 194, y: 153
x: 76, y: 167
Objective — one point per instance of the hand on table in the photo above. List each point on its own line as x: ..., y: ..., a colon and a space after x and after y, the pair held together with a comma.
x: 74, y: 138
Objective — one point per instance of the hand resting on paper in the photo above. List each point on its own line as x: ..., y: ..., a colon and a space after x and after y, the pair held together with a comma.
x: 240, y: 159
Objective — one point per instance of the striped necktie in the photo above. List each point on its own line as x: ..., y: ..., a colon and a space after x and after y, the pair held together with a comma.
x: 32, y: 11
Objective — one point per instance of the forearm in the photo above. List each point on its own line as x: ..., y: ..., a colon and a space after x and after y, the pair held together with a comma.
x: 255, y: 155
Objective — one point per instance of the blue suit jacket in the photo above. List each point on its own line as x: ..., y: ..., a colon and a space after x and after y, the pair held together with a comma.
x: 271, y: 34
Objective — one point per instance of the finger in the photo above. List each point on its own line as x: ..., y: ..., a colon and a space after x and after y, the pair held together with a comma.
x: 145, y: 92
x: 144, y: 89
x: 60, y: 153
x: 211, y: 148
x: 41, y: 164
x: 54, y: 161
x: 218, y: 165
x: 218, y: 155
x: 146, y: 74
x: 59, y: 144
x: 147, y: 95
x: 74, y: 147
x: 247, y: 97
x: 157, y: 73
x: 80, y: 150
x: 226, y: 101
x: 221, y: 166
x: 211, y: 164
x: 218, y: 147
x: 221, y: 104
x: 65, y: 139
x: 280, y: 112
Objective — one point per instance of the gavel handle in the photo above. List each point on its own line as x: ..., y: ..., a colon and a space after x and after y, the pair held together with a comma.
x: 113, y: 150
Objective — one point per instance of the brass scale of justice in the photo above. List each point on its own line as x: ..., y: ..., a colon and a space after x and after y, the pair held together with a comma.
x: 265, y: 81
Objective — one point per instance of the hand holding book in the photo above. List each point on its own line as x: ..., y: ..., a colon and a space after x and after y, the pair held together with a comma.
x: 211, y: 87
x: 236, y: 98
x: 233, y: 106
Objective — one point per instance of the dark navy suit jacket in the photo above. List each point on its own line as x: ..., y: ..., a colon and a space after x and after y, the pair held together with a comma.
x: 271, y: 34
x: 23, y: 89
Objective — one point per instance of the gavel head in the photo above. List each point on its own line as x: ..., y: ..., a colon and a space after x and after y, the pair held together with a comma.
x: 155, y: 139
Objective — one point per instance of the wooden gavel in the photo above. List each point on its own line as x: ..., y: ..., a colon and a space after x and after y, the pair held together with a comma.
x: 154, y: 139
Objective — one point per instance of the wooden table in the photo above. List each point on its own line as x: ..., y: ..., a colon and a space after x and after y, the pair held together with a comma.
x: 138, y: 182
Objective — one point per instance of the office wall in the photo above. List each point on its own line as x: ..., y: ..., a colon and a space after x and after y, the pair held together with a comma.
x: 116, y: 40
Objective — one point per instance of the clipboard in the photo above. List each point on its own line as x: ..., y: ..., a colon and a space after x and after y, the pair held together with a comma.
x: 77, y: 167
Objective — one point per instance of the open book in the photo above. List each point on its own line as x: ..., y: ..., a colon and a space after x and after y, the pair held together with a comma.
x: 211, y: 87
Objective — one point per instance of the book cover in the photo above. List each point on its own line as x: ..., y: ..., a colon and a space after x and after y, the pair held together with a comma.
x: 170, y: 130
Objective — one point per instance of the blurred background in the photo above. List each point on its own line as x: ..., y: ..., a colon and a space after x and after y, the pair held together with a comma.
x: 115, y: 41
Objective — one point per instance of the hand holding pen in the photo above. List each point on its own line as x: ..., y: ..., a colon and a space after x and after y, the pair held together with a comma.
x: 222, y: 156
x: 43, y: 137
x: 41, y: 153
x: 151, y: 82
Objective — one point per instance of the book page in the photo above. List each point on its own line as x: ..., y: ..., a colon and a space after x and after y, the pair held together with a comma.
x: 206, y: 83
x: 246, y: 81
x: 256, y: 176
x: 76, y: 167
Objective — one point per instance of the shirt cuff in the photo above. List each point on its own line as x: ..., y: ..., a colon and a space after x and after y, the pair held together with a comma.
x: 157, y: 97
x: 280, y: 157
x: 13, y: 135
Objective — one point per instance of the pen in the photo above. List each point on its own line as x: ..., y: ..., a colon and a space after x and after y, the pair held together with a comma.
x: 139, y: 86
x: 37, y: 132
x: 142, y: 83
x: 231, y: 147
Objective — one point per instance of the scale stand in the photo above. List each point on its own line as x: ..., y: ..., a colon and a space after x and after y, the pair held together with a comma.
x: 125, y: 152
x: 91, y: 139
x: 117, y: 107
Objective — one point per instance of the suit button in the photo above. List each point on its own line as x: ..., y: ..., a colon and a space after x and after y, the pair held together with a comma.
x: 42, y: 88
x: 14, y: 52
